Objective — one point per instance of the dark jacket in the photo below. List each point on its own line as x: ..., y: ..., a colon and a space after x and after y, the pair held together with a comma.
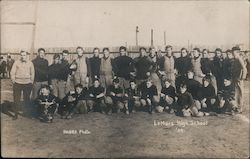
x: 170, y: 91
x: 142, y: 66
x: 218, y: 67
x: 148, y: 92
x: 185, y: 101
x: 235, y: 69
x: 123, y: 65
x: 41, y: 69
x: 207, y: 66
x: 183, y: 65
x: 207, y: 92
x: 94, y: 66
x: 58, y: 71
x: 194, y: 88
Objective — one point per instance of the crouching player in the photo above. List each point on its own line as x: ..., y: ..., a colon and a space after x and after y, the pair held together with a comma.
x: 149, y: 96
x: 47, y: 104
x: 167, y: 97
x: 226, y: 98
x: 74, y: 102
x: 114, y: 97
x: 132, y: 97
x: 208, y: 96
x: 96, y: 97
x: 186, y: 105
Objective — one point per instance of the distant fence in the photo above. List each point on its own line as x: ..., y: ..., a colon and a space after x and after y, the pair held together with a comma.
x: 133, y: 51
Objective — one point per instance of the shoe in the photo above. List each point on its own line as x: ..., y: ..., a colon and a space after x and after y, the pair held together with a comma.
x: 171, y: 111
x: 20, y: 112
x: 69, y: 117
x: 127, y: 112
x: 14, y: 118
x: 109, y: 112
x: 133, y: 111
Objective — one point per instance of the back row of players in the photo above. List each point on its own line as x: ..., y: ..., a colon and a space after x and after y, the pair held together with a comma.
x: 194, y: 84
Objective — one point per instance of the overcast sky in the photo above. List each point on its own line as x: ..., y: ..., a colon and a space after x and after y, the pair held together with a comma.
x: 104, y: 23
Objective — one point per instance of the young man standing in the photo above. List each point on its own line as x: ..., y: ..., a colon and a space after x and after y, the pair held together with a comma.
x: 196, y: 64
x: 218, y: 68
x: 41, y: 71
x: 80, y: 74
x: 169, y: 65
x: 106, y: 69
x: 94, y: 65
x: 22, y: 76
x: 123, y: 67
x: 239, y: 70
x: 182, y: 65
x: 142, y: 66
x: 58, y: 74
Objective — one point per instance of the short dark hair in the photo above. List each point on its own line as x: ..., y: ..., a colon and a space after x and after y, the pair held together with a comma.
x: 184, y: 49
x: 142, y: 48
x: 65, y: 52
x: 41, y: 49
x: 228, y: 50
x: 106, y: 48
x: 79, y: 47
x: 132, y: 81
x: 218, y: 49
x: 197, y: 49
x: 78, y: 85
x: 116, y: 80
x: 183, y: 85
x: 122, y: 48
x: 206, y: 79
x: 22, y: 51
x: 168, y: 46
x: 46, y: 87
x: 205, y: 50
x: 96, y: 48
x: 167, y: 80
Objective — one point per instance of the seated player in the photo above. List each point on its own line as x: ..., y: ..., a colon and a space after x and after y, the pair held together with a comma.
x: 114, y: 97
x: 185, y: 104
x: 74, y: 101
x: 208, y: 96
x: 96, y: 97
x: 167, y: 98
x: 47, y: 104
x: 194, y: 88
x: 226, y: 97
x: 149, y: 96
x: 131, y: 97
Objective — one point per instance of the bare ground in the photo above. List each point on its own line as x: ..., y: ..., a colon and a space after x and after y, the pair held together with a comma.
x: 121, y: 135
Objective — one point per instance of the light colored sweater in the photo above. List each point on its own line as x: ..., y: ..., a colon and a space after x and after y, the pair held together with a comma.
x: 22, y: 72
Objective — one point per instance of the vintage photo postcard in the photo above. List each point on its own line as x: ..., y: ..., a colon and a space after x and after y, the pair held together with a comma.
x: 124, y: 79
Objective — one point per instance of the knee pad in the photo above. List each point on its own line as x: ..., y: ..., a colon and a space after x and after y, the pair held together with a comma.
x: 143, y: 102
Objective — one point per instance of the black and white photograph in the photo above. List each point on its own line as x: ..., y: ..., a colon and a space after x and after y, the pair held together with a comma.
x: 125, y: 78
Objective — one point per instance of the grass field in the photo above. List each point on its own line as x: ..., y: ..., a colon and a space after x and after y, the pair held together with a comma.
x: 120, y: 135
